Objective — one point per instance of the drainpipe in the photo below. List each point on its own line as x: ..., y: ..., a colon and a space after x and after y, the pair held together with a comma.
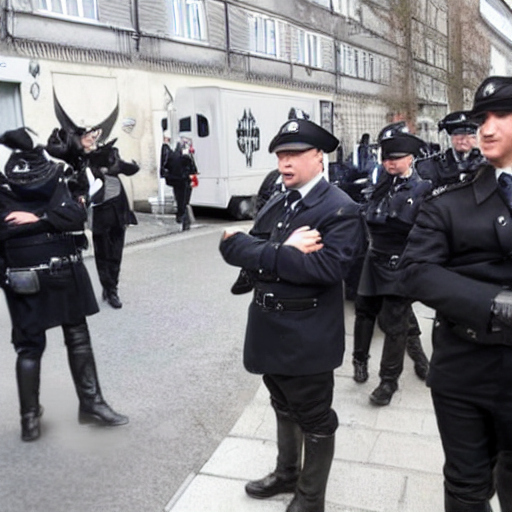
x: 136, y: 35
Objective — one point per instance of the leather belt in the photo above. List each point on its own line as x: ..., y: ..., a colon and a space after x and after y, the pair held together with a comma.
x: 270, y: 302
x: 54, y: 264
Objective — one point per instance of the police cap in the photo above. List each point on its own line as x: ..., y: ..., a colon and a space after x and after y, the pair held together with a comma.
x: 457, y: 123
x: 396, y: 142
x: 300, y: 135
x: 493, y: 95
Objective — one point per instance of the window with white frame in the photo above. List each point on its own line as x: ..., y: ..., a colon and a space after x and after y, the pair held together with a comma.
x: 308, y: 49
x: 346, y: 8
x: 263, y: 35
x: 77, y: 8
x: 188, y: 19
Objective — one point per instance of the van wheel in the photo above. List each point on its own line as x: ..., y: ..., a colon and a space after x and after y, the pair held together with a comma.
x: 242, y: 207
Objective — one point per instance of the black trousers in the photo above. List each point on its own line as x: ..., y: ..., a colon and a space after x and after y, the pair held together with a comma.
x: 306, y: 400
x: 476, y: 433
x: 182, y: 192
x: 396, y: 319
x: 108, y: 253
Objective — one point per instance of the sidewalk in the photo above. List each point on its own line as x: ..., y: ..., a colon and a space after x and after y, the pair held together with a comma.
x: 387, y: 459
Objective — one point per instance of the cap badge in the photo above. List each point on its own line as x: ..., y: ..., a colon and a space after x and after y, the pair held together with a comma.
x: 489, y: 90
x: 292, y: 127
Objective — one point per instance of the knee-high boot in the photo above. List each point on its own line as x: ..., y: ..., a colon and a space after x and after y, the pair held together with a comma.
x: 453, y: 505
x: 503, y: 477
x: 363, y: 332
x: 391, y: 366
x: 289, y: 460
x: 310, y: 493
x: 92, y: 408
x: 416, y: 353
x: 28, y: 371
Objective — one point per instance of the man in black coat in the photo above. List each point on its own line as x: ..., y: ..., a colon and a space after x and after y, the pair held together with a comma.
x: 390, y: 213
x: 299, y: 251
x: 458, y: 261
x: 460, y: 161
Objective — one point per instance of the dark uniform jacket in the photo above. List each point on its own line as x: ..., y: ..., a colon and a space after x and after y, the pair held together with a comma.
x: 113, y: 209
x: 457, y: 259
x: 390, y: 214
x: 445, y: 169
x: 66, y: 294
x: 298, y: 342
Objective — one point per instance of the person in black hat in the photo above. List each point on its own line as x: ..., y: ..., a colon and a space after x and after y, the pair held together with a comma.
x: 300, y: 250
x: 460, y: 161
x: 458, y: 262
x: 44, y: 279
x: 392, y: 207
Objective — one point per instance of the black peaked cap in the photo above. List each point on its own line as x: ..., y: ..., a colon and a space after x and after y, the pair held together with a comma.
x: 494, y: 94
x: 302, y: 134
x: 457, y: 122
x: 400, y: 145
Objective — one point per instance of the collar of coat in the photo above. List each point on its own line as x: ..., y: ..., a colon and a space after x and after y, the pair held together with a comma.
x: 484, y: 184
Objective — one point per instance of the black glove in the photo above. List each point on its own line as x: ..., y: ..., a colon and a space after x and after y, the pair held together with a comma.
x: 501, y: 309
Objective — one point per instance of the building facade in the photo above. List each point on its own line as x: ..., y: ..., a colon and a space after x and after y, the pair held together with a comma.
x: 363, y: 62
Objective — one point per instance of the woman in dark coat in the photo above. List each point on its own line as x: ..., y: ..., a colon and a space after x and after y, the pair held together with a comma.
x: 46, y: 283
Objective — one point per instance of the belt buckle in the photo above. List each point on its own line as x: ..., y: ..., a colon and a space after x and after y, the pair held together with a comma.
x: 267, y: 301
x: 55, y: 264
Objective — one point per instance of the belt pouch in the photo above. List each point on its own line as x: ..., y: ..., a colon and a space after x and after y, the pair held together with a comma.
x: 23, y: 281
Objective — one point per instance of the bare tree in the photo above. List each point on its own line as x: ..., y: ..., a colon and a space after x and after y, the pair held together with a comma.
x: 469, y: 51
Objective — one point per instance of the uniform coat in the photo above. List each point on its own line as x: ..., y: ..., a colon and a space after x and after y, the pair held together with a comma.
x: 458, y: 258
x: 390, y: 215
x: 298, y: 342
x: 66, y: 295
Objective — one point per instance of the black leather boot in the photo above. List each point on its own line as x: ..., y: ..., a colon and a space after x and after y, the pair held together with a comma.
x: 453, y: 505
x: 93, y: 408
x: 28, y: 372
x: 289, y: 458
x: 112, y: 297
x: 391, y: 366
x: 318, y: 455
x: 360, y: 370
x: 383, y: 393
x: 416, y: 353
x: 363, y: 332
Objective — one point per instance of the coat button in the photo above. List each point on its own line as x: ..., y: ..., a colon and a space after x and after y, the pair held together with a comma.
x: 502, y: 221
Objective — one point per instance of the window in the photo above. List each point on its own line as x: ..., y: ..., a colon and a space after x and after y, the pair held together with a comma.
x: 188, y: 19
x: 364, y: 65
x: 263, y: 35
x: 77, y: 8
x: 308, y: 49
x: 203, y: 127
x: 346, y: 8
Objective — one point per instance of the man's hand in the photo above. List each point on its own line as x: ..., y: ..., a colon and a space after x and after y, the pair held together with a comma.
x: 502, y: 308
x: 305, y: 240
x: 230, y: 232
x: 18, y: 218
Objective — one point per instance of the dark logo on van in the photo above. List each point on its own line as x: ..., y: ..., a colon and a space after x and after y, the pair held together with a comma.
x: 248, y: 136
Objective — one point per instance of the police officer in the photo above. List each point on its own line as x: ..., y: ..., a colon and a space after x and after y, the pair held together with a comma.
x: 390, y: 213
x: 45, y: 281
x: 458, y: 261
x: 460, y: 161
x: 299, y: 251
